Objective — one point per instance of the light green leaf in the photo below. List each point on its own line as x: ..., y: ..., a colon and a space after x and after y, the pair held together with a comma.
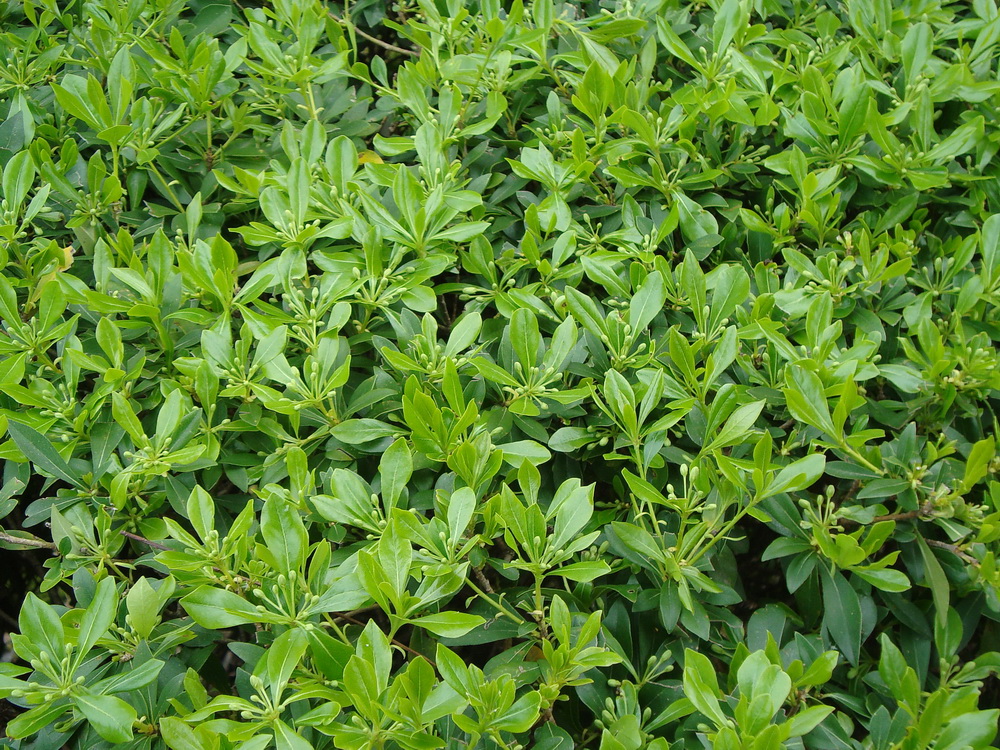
x: 111, y: 717
x: 217, y: 608
x: 449, y: 624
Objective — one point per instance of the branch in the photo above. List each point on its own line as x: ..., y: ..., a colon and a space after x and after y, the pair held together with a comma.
x: 26, y: 541
x: 147, y: 542
x: 370, y: 38
x: 925, y: 510
x: 955, y: 550
x: 483, y: 580
x: 905, y: 516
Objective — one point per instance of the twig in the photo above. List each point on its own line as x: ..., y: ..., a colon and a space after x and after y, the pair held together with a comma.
x: 483, y: 580
x: 849, y: 493
x: 372, y: 39
x: 925, y: 510
x: 10, y: 620
x: 357, y: 612
x: 26, y: 542
x: 147, y: 542
x: 955, y: 550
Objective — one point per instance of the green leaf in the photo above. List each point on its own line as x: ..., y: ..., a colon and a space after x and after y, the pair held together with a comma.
x: 917, y: 47
x: 217, y: 608
x: 976, y: 729
x: 98, y: 617
x: 134, y: 677
x: 395, y: 554
x: 524, y: 337
x: 461, y: 507
x: 284, y: 534
x: 798, y: 475
x: 125, y: 416
x: 298, y: 190
x: 737, y: 428
x: 638, y: 540
x: 729, y: 19
x: 39, y: 623
x: 283, y: 656
x: 285, y: 738
x: 179, y: 736
x: 36, y: 719
x: 448, y: 624
x: 701, y: 686
x: 842, y: 615
x: 394, y: 469
x: 201, y: 512
x: 695, y: 221
x: 111, y: 717
x: 978, y: 462
x: 886, y: 580
x: 936, y: 580
x: 522, y: 715
x: 732, y: 289
x: 805, y: 721
x: 584, y: 571
x: 493, y: 373
x: 37, y: 449
x: 647, y: 302
x: 18, y: 177
x: 807, y: 400
x: 83, y: 101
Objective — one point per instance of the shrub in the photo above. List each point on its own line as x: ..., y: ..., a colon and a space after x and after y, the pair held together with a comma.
x: 616, y: 375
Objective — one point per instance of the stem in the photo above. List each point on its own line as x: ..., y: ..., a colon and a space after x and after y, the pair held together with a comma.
x: 147, y: 542
x: 26, y: 542
x: 861, y: 459
x: 543, y: 626
x: 721, y: 534
x: 346, y: 22
x: 310, y: 100
x: 483, y: 580
x: 925, y: 510
x: 637, y: 459
x: 166, y: 185
x: 340, y: 632
x: 955, y: 550
x: 498, y: 605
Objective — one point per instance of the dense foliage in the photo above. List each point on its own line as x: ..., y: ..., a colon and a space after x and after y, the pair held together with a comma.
x: 500, y: 374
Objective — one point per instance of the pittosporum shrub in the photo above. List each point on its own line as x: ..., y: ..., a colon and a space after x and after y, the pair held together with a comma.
x: 500, y: 374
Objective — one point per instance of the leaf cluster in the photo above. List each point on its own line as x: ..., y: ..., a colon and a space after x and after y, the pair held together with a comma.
x: 449, y: 374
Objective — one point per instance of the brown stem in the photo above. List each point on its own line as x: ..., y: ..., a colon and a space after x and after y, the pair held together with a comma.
x: 26, y: 542
x: 9, y: 620
x: 372, y: 39
x: 483, y: 580
x: 147, y: 542
x: 849, y: 493
x: 955, y: 550
x: 907, y: 516
x: 356, y: 612
x: 925, y: 510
